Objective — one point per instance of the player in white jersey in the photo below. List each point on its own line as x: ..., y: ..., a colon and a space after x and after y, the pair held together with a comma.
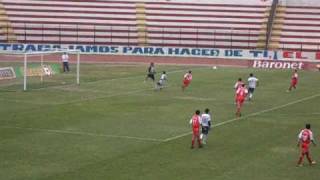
x: 253, y: 82
x: 65, y: 62
x: 206, y: 125
x: 162, y: 81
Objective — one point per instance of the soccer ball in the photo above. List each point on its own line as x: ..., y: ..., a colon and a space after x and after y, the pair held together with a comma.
x: 214, y: 67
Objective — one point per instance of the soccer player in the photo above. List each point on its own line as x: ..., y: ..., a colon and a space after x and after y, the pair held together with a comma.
x: 162, y: 82
x: 305, y: 137
x: 206, y: 125
x: 238, y: 84
x: 187, y: 78
x: 253, y: 82
x: 241, y: 94
x: 294, y: 80
x: 196, y: 123
x: 151, y: 72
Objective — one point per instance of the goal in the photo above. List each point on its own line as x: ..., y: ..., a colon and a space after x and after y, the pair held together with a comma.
x: 36, y: 70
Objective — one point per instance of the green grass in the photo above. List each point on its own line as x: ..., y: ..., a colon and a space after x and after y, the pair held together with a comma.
x: 115, y: 126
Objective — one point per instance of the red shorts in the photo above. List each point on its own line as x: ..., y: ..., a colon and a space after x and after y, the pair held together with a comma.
x: 304, y: 148
x: 294, y: 82
x: 186, y: 83
x: 195, y: 131
x: 240, y: 100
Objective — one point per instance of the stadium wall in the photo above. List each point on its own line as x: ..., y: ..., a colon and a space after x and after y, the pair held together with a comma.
x: 168, y: 55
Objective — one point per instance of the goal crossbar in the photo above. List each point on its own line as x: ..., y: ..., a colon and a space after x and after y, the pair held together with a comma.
x: 55, y: 51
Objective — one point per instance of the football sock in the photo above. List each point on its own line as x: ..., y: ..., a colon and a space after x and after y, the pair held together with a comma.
x: 300, y: 159
x: 309, y: 158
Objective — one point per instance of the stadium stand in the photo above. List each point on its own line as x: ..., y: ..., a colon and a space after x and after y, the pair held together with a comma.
x: 205, y: 25
x: 300, y: 29
x: 296, y: 26
x: 63, y: 22
x: 202, y: 23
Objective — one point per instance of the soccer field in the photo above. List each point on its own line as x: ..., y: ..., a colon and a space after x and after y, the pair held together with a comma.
x: 114, y: 126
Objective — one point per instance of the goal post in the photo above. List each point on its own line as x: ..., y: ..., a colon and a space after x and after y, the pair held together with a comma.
x: 28, y: 55
x: 38, y: 70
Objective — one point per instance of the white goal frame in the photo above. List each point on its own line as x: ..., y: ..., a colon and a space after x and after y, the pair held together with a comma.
x: 28, y: 54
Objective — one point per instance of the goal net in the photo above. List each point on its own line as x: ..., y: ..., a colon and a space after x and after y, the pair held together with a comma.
x: 38, y: 70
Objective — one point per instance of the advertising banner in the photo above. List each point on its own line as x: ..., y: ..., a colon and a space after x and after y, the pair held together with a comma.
x: 169, y: 51
x: 277, y: 64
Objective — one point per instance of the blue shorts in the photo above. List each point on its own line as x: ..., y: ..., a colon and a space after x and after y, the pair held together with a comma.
x: 205, y: 130
x: 251, y: 90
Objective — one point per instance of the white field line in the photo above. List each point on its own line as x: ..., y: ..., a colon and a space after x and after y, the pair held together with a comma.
x: 82, y: 133
x: 249, y: 115
x: 193, y: 98
x: 75, y: 89
x: 79, y: 100
x: 189, y: 98
x: 107, y: 96
x: 22, y: 101
x: 153, y: 139
x: 102, y: 97
x: 94, y: 91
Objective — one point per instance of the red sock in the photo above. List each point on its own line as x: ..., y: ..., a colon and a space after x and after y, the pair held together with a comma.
x: 192, y: 142
x: 238, y: 112
x: 199, y: 142
x: 301, y: 158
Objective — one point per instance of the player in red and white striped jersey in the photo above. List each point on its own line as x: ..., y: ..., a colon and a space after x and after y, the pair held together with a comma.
x: 241, y: 95
x: 187, y: 78
x: 196, y: 124
x: 294, y: 80
x: 305, y: 138
x: 236, y: 86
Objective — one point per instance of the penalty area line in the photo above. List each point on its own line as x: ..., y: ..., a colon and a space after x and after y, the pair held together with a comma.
x: 249, y: 115
x: 54, y: 131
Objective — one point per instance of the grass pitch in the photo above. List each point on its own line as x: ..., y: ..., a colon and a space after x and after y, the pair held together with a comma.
x: 115, y: 126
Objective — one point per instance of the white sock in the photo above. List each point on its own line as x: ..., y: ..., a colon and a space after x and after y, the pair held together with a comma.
x: 204, y: 140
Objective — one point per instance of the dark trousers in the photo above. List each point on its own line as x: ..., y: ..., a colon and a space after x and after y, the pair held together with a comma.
x: 66, y: 67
